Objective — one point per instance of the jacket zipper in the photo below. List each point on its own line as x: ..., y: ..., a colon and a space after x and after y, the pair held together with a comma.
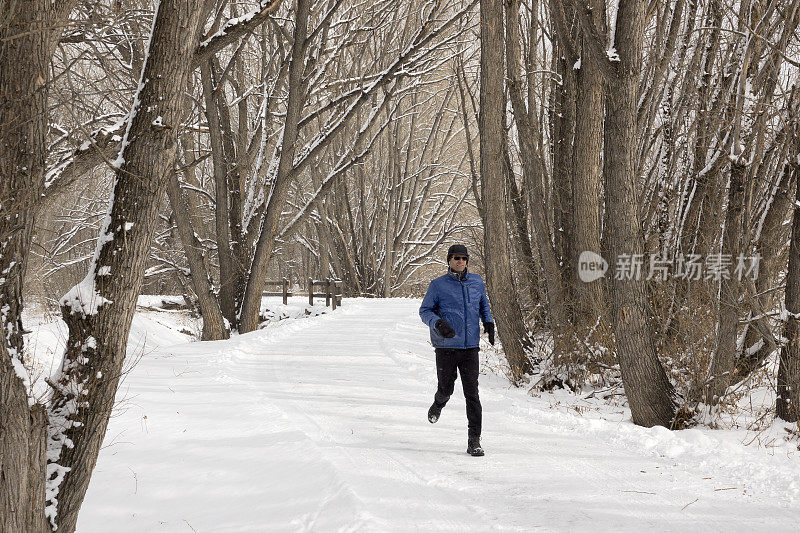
x: 464, y: 297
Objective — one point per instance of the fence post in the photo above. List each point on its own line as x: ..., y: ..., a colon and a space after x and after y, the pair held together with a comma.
x: 285, y: 291
x: 327, y: 292
x: 333, y: 290
x: 310, y: 291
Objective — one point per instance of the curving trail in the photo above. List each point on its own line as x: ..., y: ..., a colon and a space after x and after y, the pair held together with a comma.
x: 320, y: 424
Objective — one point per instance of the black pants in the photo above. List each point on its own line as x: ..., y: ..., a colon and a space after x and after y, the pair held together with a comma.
x: 466, y: 362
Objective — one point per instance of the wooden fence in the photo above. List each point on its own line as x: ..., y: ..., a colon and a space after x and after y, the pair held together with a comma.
x: 332, y: 291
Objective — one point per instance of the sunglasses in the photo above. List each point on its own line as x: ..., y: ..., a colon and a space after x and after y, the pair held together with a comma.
x: 460, y: 257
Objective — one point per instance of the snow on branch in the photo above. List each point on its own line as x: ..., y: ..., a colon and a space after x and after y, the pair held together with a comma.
x: 232, y: 30
x: 100, y: 147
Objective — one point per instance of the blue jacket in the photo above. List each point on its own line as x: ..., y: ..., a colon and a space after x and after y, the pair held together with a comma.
x: 461, y: 303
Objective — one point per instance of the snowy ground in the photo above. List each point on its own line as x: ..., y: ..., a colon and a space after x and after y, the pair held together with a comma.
x: 319, y: 424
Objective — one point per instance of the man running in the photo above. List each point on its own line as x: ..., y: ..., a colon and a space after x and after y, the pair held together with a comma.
x: 451, y: 309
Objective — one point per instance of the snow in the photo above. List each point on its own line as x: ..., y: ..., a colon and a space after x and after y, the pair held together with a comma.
x: 319, y: 423
x: 22, y: 374
x: 612, y: 11
x: 83, y: 298
x: 230, y: 24
x: 54, y: 172
x: 55, y: 475
x: 120, y: 160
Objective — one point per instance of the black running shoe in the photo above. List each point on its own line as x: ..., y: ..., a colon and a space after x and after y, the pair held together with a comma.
x: 433, y: 413
x: 474, y: 447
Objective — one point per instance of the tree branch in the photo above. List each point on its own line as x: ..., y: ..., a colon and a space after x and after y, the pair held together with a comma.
x: 233, y: 30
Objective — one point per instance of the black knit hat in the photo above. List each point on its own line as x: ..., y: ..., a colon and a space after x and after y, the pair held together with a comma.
x: 457, y: 249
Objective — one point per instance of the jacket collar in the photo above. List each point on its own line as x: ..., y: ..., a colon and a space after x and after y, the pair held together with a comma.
x: 456, y: 275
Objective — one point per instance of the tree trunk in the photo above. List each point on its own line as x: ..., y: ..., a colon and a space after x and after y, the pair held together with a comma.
x: 787, y: 405
x: 646, y: 384
x: 251, y: 305
x: 505, y: 309
x: 534, y: 173
x: 213, y: 322
x: 349, y: 261
x: 519, y: 235
x: 691, y: 239
x: 22, y: 461
x: 237, y: 162
x: 563, y: 171
x: 587, y: 169
x: 518, y: 225
x: 722, y: 363
x: 767, y: 246
x: 29, y: 33
x: 393, y: 172
x: 222, y: 165
x: 35, y: 518
x: 99, y: 310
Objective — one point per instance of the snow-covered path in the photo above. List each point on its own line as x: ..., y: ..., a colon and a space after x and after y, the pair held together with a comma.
x: 320, y: 424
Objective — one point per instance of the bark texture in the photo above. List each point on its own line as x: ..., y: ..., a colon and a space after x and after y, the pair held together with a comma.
x: 646, y: 384
x: 26, y: 47
x: 587, y: 169
x: 23, y: 432
x: 98, y: 312
x: 722, y: 363
x: 29, y: 32
x: 505, y: 309
x: 788, y: 402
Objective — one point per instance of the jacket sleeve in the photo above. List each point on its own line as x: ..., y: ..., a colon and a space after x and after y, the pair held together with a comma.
x: 430, y: 304
x: 485, y: 310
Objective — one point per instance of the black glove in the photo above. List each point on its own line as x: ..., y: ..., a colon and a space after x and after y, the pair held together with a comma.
x: 488, y: 327
x: 444, y: 329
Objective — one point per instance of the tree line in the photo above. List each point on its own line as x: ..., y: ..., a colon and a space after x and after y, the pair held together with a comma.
x: 201, y: 145
x: 655, y: 135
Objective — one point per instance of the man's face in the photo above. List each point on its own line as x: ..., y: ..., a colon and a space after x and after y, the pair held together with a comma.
x: 458, y: 263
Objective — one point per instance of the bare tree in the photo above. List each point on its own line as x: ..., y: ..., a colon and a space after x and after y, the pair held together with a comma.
x: 511, y: 328
x: 251, y: 304
x: 99, y: 310
x: 29, y: 32
x: 535, y: 172
x: 587, y: 171
x: 648, y: 390
x: 788, y: 400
